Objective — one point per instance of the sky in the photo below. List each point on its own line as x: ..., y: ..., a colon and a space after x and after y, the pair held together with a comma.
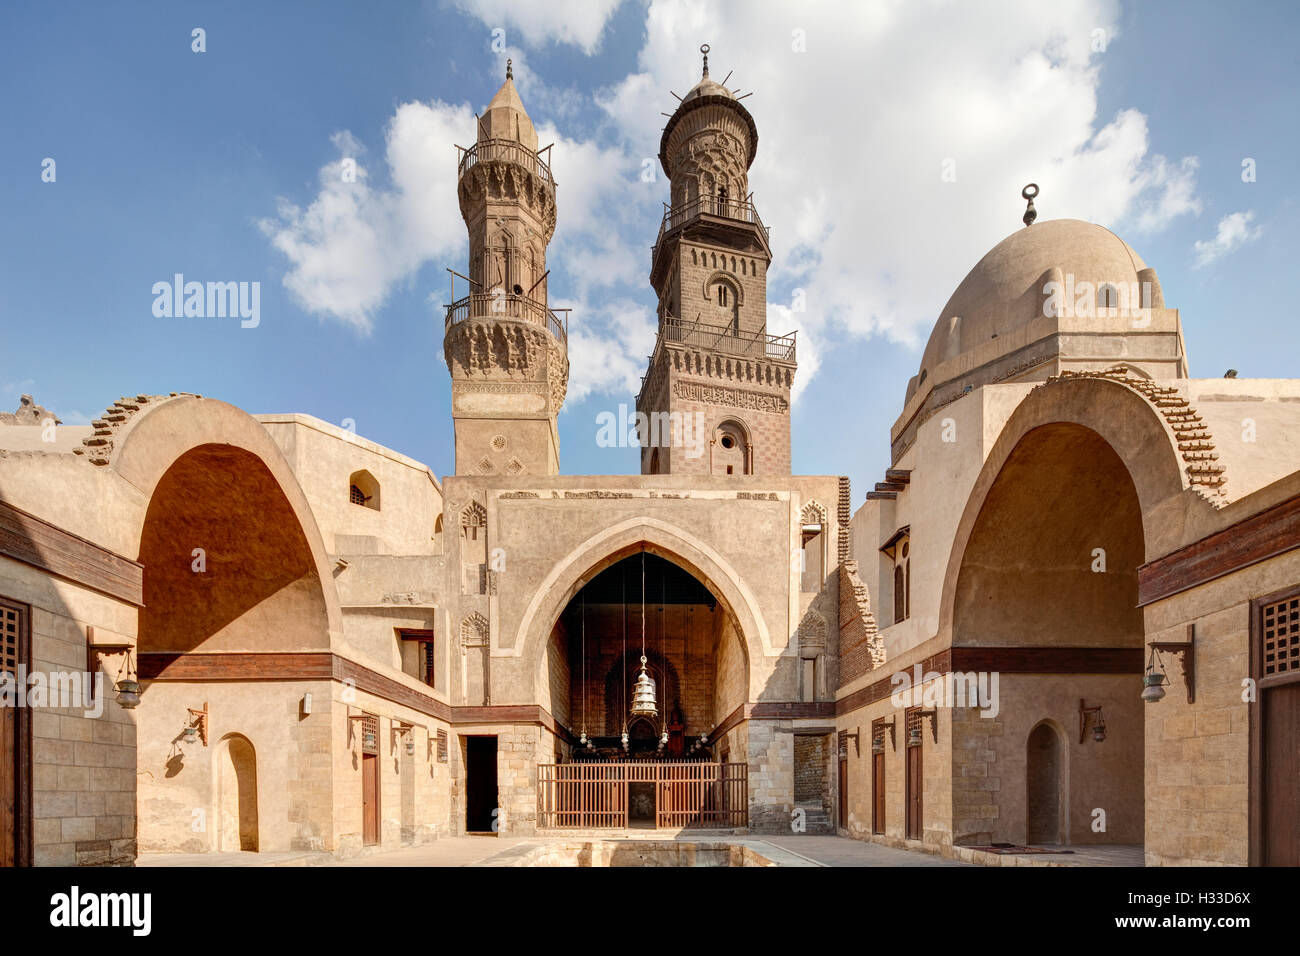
x: 894, y: 140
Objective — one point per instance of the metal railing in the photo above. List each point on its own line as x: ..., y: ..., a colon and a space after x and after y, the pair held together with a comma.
x: 500, y: 304
x: 590, y: 795
x: 741, y: 210
x: 723, y: 338
x: 506, y: 151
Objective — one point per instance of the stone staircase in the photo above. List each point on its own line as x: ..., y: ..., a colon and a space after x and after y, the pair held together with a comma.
x: 815, y: 819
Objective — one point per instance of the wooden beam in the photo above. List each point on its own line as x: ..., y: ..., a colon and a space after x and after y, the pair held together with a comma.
x: 36, y: 542
x: 1252, y: 540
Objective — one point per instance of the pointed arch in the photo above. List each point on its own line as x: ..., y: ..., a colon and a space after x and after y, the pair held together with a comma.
x: 672, y: 543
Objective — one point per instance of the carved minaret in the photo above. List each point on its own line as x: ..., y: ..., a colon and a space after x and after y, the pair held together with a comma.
x: 506, y: 350
x: 713, y: 356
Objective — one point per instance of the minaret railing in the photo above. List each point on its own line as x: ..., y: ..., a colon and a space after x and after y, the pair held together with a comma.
x: 728, y: 339
x: 502, y: 304
x: 740, y: 210
x: 506, y: 151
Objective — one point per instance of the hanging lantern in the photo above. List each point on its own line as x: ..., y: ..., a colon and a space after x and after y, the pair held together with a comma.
x: 128, y: 694
x: 878, y: 744
x: 190, y: 734
x: 582, y: 741
x: 1153, y: 683
x: 643, y: 695
x: 1099, y: 729
x: 663, y: 740
x: 1152, y: 690
x: 410, y: 744
x: 914, y: 734
x: 624, y: 740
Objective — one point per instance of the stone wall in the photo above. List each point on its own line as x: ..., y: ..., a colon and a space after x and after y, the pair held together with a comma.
x: 771, y: 775
x: 1198, y: 755
x: 83, y: 758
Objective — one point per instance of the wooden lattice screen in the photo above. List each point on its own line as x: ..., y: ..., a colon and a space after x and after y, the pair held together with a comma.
x: 1280, y: 636
x: 427, y: 671
x: 10, y: 634
x: 370, y: 734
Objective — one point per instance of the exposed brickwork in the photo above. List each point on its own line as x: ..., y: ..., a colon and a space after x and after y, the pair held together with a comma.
x: 810, y: 784
x: 98, y: 448
x: 861, y: 647
x: 1195, y: 443
x: 844, y: 516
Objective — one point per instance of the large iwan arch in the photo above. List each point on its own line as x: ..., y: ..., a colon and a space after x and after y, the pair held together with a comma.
x: 598, y: 552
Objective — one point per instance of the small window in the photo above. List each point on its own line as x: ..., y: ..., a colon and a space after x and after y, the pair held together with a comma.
x: 363, y: 490
x: 442, y: 746
x: 1107, y: 297
x: 728, y: 441
x: 427, y: 662
x: 722, y: 295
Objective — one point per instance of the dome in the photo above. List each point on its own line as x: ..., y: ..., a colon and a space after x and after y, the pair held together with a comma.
x: 707, y: 87
x: 717, y: 102
x: 1003, y: 297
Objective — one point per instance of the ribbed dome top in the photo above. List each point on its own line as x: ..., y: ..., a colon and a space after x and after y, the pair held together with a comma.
x: 707, y: 87
x: 1005, y: 290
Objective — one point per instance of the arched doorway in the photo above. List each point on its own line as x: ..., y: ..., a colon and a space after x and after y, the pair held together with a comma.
x: 237, y: 826
x: 637, y: 602
x: 1044, y: 791
x: 1047, y: 591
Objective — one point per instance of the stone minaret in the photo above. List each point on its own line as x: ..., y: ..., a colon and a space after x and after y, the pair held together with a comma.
x: 506, y: 350
x: 713, y: 357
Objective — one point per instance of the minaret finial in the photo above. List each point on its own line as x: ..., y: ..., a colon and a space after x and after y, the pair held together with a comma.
x: 1028, y: 194
x: 704, y: 49
x: 510, y: 72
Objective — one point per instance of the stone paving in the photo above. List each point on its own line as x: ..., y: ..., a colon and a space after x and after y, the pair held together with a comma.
x: 481, y: 851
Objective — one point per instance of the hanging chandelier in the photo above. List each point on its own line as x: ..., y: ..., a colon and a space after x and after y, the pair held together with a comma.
x: 643, y: 695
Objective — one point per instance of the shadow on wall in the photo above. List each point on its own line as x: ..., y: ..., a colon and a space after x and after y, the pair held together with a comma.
x: 221, y: 545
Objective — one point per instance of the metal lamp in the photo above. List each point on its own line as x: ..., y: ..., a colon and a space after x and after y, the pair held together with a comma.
x: 128, y: 694
x: 1153, y: 682
x: 643, y: 695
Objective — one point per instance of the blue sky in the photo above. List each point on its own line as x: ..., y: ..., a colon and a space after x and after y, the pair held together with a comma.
x: 214, y: 164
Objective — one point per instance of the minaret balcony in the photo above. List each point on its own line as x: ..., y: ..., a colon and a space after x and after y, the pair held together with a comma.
x: 503, y: 305
x: 756, y: 346
x: 727, y: 339
x: 711, y: 209
x: 507, y: 151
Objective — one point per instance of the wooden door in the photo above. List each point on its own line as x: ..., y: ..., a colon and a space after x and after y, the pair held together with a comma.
x: 15, y: 755
x: 370, y: 799
x: 914, y: 793
x: 1281, y: 775
x: 844, y: 792
x: 1275, y: 730
x: 878, y: 793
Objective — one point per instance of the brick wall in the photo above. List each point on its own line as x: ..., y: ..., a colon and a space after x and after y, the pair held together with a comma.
x: 861, y: 648
x: 810, y: 779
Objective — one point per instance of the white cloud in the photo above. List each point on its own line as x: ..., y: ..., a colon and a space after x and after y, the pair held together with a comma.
x: 1234, y: 231
x: 608, y: 348
x: 580, y: 23
x: 354, y: 241
x: 1176, y: 196
x: 854, y: 132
